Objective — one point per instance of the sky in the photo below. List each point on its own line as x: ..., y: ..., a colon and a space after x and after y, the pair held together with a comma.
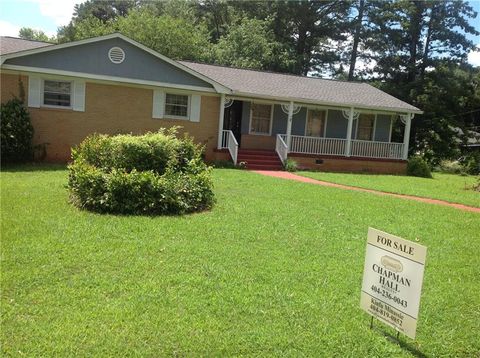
x: 47, y: 15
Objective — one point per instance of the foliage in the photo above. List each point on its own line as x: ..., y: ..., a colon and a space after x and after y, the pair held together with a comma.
x: 291, y: 165
x: 224, y: 164
x: 176, y: 38
x: 248, y: 44
x: 450, y: 167
x: 16, y: 132
x: 471, y: 162
x: 418, y: 167
x: 476, y: 186
x: 28, y: 33
x: 255, y: 266
x: 414, y: 50
x: 155, y: 173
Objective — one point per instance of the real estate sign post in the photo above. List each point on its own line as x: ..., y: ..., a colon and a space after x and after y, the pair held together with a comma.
x: 392, y: 280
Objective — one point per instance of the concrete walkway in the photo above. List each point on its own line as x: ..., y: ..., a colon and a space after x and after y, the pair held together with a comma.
x: 291, y: 176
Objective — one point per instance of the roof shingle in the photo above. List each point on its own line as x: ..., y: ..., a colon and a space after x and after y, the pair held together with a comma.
x: 301, y: 88
x: 13, y: 44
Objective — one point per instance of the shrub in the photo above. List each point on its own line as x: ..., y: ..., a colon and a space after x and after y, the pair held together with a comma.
x: 16, y: 132
x: 476, y: 186
x: 418, y: 167
x: 471, y: 163
x: 291, y: 165
x: 451, y: 167
x: 155, y: 173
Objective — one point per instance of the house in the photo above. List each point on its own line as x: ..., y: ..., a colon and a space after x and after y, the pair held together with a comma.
x: 112, y: 84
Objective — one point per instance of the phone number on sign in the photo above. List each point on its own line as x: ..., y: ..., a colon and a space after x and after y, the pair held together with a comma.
x: 388, y: 295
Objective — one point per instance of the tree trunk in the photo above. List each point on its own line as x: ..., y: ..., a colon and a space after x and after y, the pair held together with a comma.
x: 415, y: 32
x: 426, y: 51
x: 356, y: 40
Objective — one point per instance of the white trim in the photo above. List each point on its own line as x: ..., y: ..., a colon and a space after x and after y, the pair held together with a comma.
x: 303, y: 101
x: 113, y: 59
x: 105, y: 78
x: 354, y: 135
x: 218, y: 86
x: 271, y: 119
x: 158, y: 106
x: 189, y: 106
x: 391, y: 129
x: 348, y: 146
x: 42, y: 93
x: 324, y: 125
x: 34, y: 90
x: 221, y: 116
x: 374, y: 127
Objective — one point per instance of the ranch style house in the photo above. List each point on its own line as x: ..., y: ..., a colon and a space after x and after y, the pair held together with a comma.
x: 113, y: 84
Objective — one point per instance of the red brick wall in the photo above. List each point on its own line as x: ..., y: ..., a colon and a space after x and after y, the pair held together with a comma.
x: 109, y: 109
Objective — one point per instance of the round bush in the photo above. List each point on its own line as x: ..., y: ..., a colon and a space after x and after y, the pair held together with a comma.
x: 418, y: 167
x: 16, y: 132
x: 155, y: 173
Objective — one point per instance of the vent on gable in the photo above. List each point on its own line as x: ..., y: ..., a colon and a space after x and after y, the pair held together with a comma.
x: 116, y: 55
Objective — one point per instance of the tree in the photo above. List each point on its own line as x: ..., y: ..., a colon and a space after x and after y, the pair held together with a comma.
x: 28, y: 33
x: 176, y: 38
x: 248, y: 44
x: 102, y: 11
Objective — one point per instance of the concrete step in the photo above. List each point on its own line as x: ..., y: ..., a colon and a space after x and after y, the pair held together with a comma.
x: 257, y: 158
x: 263, y: 167
x: 269, y: 153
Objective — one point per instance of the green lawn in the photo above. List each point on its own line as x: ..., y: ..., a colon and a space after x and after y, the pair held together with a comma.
x: 274, y: 269
x: 449, y: 187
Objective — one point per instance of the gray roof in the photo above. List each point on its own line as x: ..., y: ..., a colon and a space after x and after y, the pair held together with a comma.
x: 13, y: 44
x: 300, y: 88
x: 261, y: 84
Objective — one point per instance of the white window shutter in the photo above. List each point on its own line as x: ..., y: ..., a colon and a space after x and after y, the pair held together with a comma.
x: 79, y: 96
x: 34, y: 95
x: 158, y: 104
x: 195, y: 103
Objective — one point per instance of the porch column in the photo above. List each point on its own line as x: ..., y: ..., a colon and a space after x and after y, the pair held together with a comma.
x: 220, y: 121
x: 406, y: 135
x: 348, y: 147
x: 289, y: 124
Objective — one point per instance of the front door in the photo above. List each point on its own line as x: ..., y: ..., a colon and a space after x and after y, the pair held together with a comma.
x: 233, y: 120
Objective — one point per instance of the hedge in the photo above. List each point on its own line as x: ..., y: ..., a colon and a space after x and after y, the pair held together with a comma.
x: 16, y: 132
x: 152, y: 174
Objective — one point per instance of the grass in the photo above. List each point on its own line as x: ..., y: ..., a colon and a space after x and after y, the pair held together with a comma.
x: 448, y: 187
x: 274, y: 269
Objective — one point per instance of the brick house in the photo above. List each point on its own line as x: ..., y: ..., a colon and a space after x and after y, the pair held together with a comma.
x: 112, y: 84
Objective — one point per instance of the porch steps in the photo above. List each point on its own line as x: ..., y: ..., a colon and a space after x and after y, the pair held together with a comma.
x: 259, y: 159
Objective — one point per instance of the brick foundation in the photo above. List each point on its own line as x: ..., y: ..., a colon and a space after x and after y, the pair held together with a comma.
x: 350, y: 165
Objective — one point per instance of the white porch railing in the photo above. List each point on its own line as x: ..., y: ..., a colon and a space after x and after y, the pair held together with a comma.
x: 337, y: 146
x: 316, y: 145
x: 372, y: 149
x: 281, y: 148
x: 229, y: 142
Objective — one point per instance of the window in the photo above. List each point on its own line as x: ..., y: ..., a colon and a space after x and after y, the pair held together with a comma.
x: 365, y: 126
x: 176, y: 105
x: 57, y: 93
x: 315, y: 123
x: 261, y: 119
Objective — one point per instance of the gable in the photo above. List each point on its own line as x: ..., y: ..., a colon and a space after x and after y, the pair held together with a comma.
x: 92, y: 58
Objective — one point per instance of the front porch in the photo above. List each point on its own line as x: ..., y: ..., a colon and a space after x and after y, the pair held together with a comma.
x: 316, y: 136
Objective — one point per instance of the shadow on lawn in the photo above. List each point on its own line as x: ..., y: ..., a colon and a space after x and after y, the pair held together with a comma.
x: 404, y: 345
x: 32, y: 167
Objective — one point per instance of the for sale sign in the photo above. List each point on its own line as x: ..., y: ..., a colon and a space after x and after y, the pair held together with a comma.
x: 392, y: 280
